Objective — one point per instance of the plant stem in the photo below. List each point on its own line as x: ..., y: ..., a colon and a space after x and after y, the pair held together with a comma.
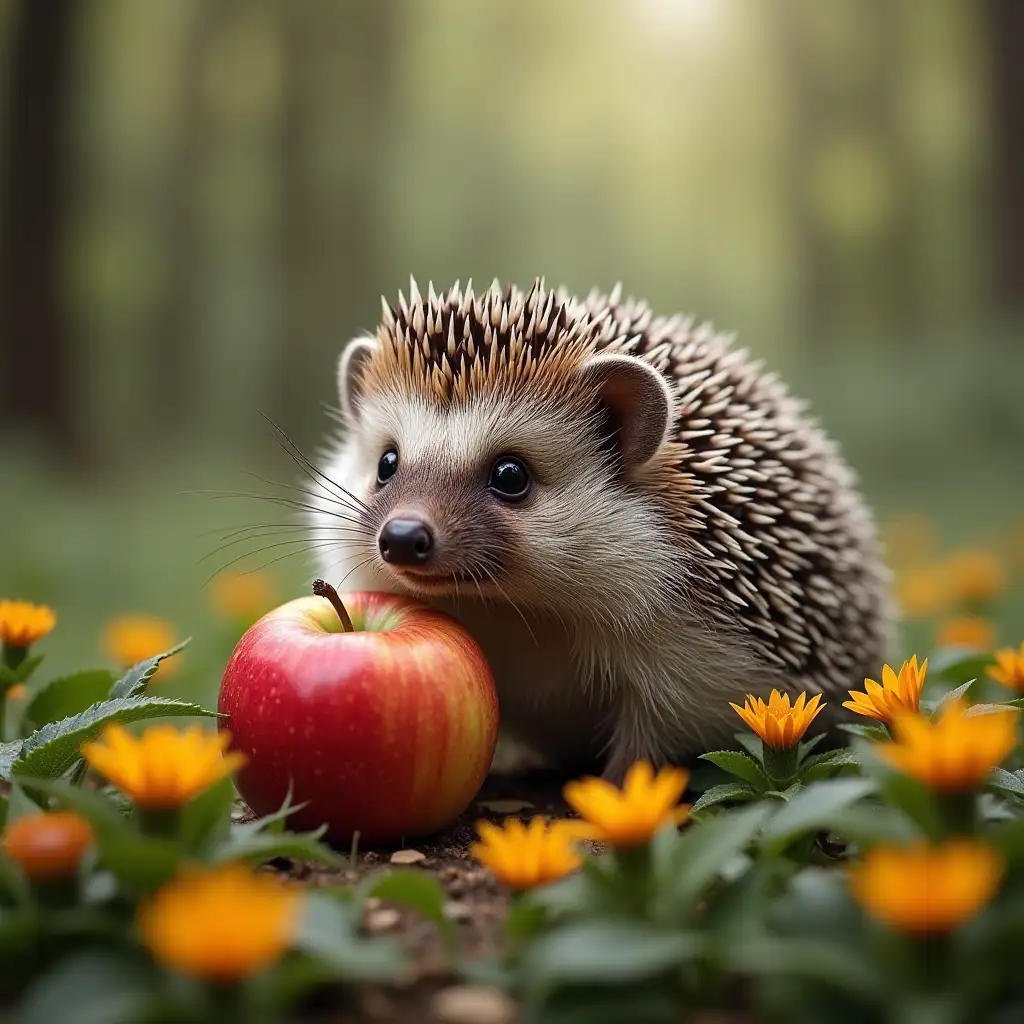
x: 322, y: 589
x: 13, y: 656
x: 780, y: 764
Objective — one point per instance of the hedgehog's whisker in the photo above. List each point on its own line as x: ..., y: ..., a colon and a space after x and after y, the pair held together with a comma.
x: 272, y: 533
x: 316, y: 495
x: 309, y: 547
x: 308, y: 467
x: 275, y: 499
x: 508, y: 600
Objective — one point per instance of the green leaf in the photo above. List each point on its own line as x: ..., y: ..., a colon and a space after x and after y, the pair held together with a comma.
x: 988, y: 709
x: 751, y: 744
x: 14, y: 883
x: 68, y: 695
x: 739, y: 791
x: 701, y: 853
x: 524, y: 919
x: 134, y: 681
x: 414, y: 889
x: 866, y: 824
x: 56, y: 747
x: 739, y: 764
x: 9, y: 676
x: 932, y: 707
x: 874, y: 732
x: 100, y: 812
x: 605, y: 952
x: 957, y: 663
x: 824, y: 766
x: 9, y: 753
x: 89, y: 987
x: 809, y: 959
x: 804, y: 749
x: 263, y: 846
x: 272, y: 822
x: 206, y: 820
x: 142, y: 863
x: 1008, y: 782
x: 326, y: 931
x: 813, y: 808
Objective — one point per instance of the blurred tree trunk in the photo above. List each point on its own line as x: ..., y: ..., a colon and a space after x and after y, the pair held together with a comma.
x: 1006, y: 48
x: 336, y: 123
x: 37, y: 378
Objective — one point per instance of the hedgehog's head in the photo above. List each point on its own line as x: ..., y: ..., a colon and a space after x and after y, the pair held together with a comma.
x: 496, y: 454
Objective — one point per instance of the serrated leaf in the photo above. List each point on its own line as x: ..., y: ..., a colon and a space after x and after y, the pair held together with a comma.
x: 806, y: 748
x: 263, y: 846
x: 133, y: 682
x: 414, y: 889
x: 932, y: 707
x: 68, y: 695
x: 9, y: 753
x: 751, y: 744
x: 206, y: 819
x: 813, y: 808
x: 988, y: 709
x: 739, y: 764
x: 49, y: 752
x: 1008, y: 782
x: 721, y: 794
x: 822, y: 766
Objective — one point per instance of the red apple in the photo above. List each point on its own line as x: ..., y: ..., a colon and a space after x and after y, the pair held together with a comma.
x: 387, y: 730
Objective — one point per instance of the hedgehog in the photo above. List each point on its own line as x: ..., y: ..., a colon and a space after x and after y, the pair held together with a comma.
x: 637, y: 522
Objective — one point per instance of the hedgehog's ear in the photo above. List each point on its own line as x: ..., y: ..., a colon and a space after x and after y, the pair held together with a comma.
x: 350, y: 366
x: 638, y: 399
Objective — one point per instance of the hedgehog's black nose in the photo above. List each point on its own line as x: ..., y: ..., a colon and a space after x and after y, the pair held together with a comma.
x: 406, y: 542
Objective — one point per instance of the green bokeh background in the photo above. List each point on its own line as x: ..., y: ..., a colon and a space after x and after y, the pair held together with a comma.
x: 238, y: 183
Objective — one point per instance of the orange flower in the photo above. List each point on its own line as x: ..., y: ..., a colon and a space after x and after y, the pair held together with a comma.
x: 777, y: 723
x: 896, y: 693
x: 165, y: 767
x: 909, y: 538
x: 47, y: 845
x: 1009, y: 668
x: 967, y: 631
x: 922, y: 590
x: 22, y: 623
x: 222, y: 924
x: 975, y: 574
x: 523, y: 857
x: 955, y: 752
x: 631, y: 815
x: 927, y: 890
x: 130, y: 639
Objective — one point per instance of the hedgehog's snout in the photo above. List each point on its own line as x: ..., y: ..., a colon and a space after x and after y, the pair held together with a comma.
x: 406, y: 542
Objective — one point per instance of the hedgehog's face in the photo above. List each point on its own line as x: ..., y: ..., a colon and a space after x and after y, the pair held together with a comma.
x: 505, y: 495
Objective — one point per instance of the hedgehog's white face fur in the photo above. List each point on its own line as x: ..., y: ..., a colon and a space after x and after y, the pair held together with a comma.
x: 636, y: 522
x: 507, y: 493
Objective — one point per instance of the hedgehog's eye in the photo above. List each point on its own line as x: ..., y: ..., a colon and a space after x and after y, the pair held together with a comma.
x: 388, y: 466
x: 509, y: 479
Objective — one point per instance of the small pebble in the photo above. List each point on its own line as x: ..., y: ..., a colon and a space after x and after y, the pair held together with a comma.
x: 407, y: 857
x: 455, y: 911
x: 383, y: 919
x: 473, y: 1004
x: 505, y: 806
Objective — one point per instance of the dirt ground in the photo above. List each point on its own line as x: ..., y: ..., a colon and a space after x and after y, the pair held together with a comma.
x: 476, y: 902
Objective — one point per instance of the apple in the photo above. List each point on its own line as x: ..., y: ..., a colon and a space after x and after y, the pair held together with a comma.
x: 379, y: 711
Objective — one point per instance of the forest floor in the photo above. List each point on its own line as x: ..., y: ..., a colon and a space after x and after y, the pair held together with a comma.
x: 476, y: 903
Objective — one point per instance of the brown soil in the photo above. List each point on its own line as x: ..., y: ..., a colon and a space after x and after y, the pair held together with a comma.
x: 476, y: 902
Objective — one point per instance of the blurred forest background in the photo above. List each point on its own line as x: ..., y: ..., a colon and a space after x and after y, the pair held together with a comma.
x: 202, y: 200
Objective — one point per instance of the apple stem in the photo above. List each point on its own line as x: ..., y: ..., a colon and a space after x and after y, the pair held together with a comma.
x: 322, y: 589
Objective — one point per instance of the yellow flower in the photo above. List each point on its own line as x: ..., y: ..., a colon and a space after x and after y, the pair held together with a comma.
x: 896, y: 693
x: 130, y: 639
x: 631, y: 815
x: 1009, y: 667
x: 222, y: 924
x: 242, y: 595
x: 953, y: 753
x: 22, y: 623
x: 927, y: 890
x: 975, y: 574
x: 523, y: 857
x: 47, y: 845
x: 777, y: 723
x: 922, y: 590
x: 967, y: 631
x: 165, y: 767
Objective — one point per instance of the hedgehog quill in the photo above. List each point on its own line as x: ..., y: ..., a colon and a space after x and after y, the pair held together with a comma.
x: 636, y: 522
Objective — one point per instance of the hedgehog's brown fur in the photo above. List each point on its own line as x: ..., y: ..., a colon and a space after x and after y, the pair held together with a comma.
x: 773, y: 540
